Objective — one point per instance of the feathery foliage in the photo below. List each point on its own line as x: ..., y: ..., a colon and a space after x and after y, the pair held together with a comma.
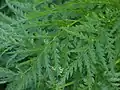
x: 60, y: 44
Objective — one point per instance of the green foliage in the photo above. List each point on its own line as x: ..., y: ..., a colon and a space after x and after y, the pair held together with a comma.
x: 60, y: 44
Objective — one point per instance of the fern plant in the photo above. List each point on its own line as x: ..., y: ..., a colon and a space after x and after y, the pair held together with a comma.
x: 60, y: 45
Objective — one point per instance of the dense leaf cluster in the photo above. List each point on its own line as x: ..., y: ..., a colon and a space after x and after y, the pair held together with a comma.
x: 60, y: 44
